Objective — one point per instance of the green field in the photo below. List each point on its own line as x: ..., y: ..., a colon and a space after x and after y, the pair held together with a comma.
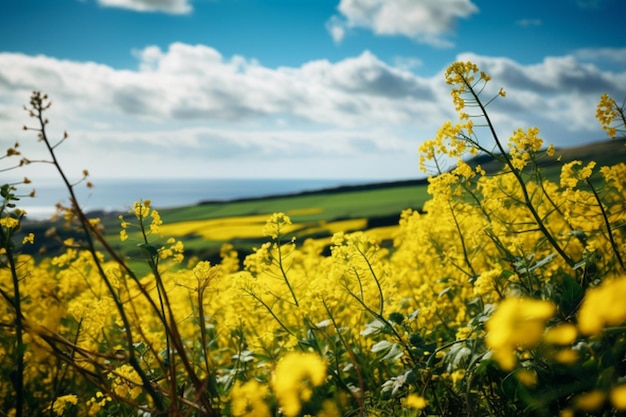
x: 378, y: 204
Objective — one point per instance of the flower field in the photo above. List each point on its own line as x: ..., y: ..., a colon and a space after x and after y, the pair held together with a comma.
x: 503, y: 296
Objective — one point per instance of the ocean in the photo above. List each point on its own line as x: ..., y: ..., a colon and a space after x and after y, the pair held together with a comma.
x: 119, y: 194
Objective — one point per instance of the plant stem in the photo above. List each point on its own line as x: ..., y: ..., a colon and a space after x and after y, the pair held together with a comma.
x: 519, y: 178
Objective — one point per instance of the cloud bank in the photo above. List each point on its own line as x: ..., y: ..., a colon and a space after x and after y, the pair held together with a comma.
x: 191, y: 108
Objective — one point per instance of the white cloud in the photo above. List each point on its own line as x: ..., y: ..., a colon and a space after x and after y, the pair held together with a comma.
x: 616, y: 55
x: 336, y: 27
x: 425, y: 21
x: 165, y: 6
x: 189, y: 107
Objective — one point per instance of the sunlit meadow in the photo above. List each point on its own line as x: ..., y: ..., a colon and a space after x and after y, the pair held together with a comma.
x: 503, y: 296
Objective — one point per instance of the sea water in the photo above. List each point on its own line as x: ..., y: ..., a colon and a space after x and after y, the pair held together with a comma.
x: 119, y: 194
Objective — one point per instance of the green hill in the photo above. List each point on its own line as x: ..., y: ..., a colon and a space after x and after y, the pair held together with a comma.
x: 379, y: 203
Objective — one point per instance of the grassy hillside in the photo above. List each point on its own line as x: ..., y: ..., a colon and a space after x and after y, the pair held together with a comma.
x: 206, y: 226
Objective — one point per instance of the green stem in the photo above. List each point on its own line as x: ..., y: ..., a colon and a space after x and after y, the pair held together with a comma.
x: 18, y: 379
x: 284, y: 273
x: 519, y: 178
x: 39, y: 107
x: 607, y: 224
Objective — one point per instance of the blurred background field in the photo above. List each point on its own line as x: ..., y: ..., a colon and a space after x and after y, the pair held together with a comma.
x: 318, y: 214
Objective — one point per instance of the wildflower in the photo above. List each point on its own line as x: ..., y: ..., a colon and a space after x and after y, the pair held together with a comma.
x: 566, y: 356
x: 563, y: 334
x: 156, y: 222
x: 614, y: 175
x: 618, y: 397
x: 415, y: 401
x: 249, y: 399
x: 29, y: 238
x: 9, y: 222
x: 522, y: 145
x: 294, y: 378
x: 589, y: 401
x: 58, y: 407
x: 603, y: 306
x: 126, y: 382
x: 141, y: 209
x: 96, y: 403
x: 528, y: 377
x: 586, y: 171
x: 485, y: 283
x: 568, y: 176
x: 275, y: 224
x: 516, y: 323
x: 606, y: 113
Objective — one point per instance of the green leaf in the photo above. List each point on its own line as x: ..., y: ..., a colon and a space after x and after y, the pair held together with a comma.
x: 149, y: 249
x: 571, y: 294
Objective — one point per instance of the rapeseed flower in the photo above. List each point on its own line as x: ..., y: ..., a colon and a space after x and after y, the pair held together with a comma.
x: 58, y: 407
x: 607, y: 112
x: 618, y: 397
x: 415, y: 401
x: 602, y: 306
x: 589, y: 401
x: 248, y: 400
x: 563, y: 334
x: 126, y: 382
x: 516, y: 323
x: 29, y: 238
x: 296, y: 374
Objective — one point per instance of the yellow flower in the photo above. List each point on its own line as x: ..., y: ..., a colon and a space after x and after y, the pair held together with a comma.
x: 603, y: 305
x: 606, y: 113
x: 294, y: 378
x: 96, y: 403
x: 141, y: 209
x: 415, y: 401
x: 9, y: 222
x: 568, y: 176
x: 485, y: 283
x: 29, y: 238
x: 528, y: 377
x: 566, y: 356
x: 587, y: 170
x: 516, y: 323
x: 58, y: 407
x: 589, y: 401
x: 563, y: 334
x: 126, y: 382
x: 275, y: 225
x: 249, y: 399
x: 618, y: 397
x: 156, y: 222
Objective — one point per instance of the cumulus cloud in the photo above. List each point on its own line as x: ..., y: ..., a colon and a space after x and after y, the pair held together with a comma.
x: 426, y: 21
x: 559, y: 93
x: 196, y: 82
x: 563, y: 76
x: 189, y: 103
x: 614, y: 55
x: 164, y: 6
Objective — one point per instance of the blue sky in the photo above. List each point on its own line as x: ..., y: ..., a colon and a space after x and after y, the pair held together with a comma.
x: 294, y: 88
